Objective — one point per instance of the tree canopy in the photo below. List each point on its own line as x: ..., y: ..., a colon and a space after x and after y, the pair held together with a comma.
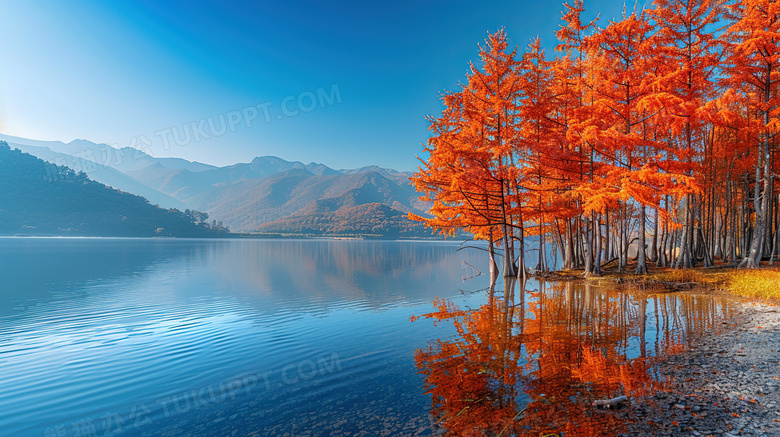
x: 652, y: 137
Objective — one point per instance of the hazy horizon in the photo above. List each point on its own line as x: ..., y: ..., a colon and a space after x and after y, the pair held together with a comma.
x: 46, y: 143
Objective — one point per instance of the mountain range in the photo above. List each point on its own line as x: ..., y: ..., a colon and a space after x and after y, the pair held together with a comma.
x: 268, y: 195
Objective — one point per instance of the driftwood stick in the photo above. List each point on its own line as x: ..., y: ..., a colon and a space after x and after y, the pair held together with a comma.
x: 609, y: 403
x: 475, y: 269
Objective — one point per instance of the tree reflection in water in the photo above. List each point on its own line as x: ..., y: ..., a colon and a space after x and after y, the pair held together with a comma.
x: 532, y: 364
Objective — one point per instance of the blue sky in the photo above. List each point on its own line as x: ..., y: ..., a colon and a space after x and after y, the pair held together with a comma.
x: 346, y: 84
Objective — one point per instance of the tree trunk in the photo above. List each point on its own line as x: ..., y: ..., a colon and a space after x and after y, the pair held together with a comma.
x: 654, y: 240
x: 509, y: 257
x: 577, y: 247
x: 728, y: 228
x: 607, y: 245
x: 587, y: 246
x: 568, y: 252
x: 662, y: 260
x: 521, y: 272
x: 707, y: 258
x: 776, y: 241
x: 542, y: 263
x: 493, y: 266
x: 597, y: 263
x: 760, y: 205
x: 641, y: 254
x: 621, y: 240
x: 685, y: 255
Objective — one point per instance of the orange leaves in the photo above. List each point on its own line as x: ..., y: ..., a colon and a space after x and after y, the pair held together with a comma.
x: 571, y: 34
x: 754, y: 53
x: 655, y: 110
x: 470, y: 173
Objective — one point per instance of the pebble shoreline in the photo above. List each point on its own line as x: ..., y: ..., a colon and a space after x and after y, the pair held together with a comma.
x: 727, y: 383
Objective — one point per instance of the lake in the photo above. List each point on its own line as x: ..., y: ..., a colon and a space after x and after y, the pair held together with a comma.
x: 310, y: 337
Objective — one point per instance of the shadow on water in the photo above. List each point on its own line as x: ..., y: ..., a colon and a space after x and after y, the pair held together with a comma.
x: 533, y: 362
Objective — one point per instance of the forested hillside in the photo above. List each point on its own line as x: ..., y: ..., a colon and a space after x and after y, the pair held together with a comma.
x: 39, y: 198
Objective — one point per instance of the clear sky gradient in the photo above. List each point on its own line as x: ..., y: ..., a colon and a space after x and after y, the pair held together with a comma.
x: 346, y: 84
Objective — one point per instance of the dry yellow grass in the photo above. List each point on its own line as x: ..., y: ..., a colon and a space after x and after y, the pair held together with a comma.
x: 761, y: 283
x: 680, y: 275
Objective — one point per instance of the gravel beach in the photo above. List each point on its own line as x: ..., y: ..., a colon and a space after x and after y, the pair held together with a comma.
x: 727, y: 383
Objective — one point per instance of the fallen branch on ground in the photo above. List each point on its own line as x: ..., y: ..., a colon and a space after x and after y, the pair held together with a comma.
x: 609, y: 403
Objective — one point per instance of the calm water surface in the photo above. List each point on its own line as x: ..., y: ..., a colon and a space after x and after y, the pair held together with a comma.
x: 313, y: 337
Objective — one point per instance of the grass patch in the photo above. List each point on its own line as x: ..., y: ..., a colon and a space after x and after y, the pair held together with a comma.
x: 712, y: 277
x: 679, y: 275
x: 761, y: 283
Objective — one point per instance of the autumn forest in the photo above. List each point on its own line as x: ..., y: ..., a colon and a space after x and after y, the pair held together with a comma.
x: 652, y: 139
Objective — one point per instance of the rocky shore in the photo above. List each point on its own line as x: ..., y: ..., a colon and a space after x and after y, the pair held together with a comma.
x: 726, y: 384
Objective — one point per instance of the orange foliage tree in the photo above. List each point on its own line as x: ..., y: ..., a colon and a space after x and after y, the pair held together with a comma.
x: 473, y: 173
x: 661, y: 111
x: 752, y: 79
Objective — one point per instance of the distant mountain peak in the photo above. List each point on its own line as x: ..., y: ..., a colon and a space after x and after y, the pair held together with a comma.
x: 269, y: 158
